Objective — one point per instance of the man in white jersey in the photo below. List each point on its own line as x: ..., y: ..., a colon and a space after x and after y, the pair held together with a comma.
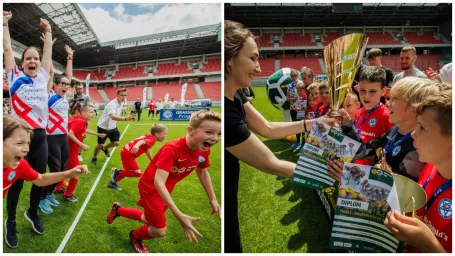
x: 108, y: 124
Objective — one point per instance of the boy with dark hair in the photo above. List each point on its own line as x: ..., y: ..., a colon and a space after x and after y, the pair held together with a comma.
x: 372, y: 120
x: 324, y: 106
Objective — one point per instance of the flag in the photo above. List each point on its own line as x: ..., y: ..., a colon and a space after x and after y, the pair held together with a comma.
x: 144, y: 96
x: 182, y: 102
x: 166, y: 97
x: 87, y: 82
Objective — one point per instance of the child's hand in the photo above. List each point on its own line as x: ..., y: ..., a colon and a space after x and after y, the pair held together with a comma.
x: 216, y: 209
x: 78, y: 171
x: 187, y: 224
x: 68, y: 50
x: 102, y: 135
x: 383, y: 165
x: 135, y: 149
x: 84, y: 147
x: 336, y: 169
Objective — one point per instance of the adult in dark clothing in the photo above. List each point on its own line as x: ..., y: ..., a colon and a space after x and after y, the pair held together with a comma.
x: 138, y: 108
x: 241, y: 64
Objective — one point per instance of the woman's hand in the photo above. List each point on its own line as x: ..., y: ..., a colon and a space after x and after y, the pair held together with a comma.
x: 69, y: 51
x: 44, y: 24
x: 7, y: 16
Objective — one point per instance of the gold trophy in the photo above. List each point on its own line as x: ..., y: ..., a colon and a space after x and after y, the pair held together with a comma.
x: 342, y: 59
x: 410, y: 194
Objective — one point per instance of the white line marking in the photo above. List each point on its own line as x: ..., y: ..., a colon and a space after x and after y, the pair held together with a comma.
x: 81, y: 211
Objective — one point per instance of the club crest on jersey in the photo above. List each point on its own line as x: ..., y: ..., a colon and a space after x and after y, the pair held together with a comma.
x: 372, y: 122
x: 201, y: 159
x: 445, y: 208
x: 11, y: 175
x: 396, y: 150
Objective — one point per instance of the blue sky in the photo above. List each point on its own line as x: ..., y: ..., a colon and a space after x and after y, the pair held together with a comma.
x: 114, y: 21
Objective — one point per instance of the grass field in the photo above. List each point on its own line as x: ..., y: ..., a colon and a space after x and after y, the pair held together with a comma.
x: 93, y: 235
x: 275, y: 215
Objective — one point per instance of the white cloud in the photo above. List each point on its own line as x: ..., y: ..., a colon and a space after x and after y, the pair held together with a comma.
x: 169, y: 18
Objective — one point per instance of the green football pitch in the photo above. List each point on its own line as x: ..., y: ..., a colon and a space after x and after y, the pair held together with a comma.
x: 275, y: 215
x: 91, y: 233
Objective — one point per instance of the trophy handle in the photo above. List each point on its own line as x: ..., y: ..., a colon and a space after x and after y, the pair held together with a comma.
x: 413, y: 206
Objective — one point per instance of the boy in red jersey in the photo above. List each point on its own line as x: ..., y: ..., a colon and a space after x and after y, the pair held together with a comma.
x: 133, y: 150
x: 77, y: 127
x: 151, y: 109
x: 324, y: 106
x: 172, y: 163
x: 431, y: 231
x: 372, y: 120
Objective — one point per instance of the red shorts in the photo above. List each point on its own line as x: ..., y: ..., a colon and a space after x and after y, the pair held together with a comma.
x: 128, y: 162
x: 73, y: 160
x: 154, y: 208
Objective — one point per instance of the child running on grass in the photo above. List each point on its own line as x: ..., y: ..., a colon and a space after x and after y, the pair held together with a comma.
x: 133, y: 150
x: 172, y: 163
x: 77, y: 127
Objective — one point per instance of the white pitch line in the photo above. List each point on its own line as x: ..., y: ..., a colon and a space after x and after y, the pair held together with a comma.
x: 73, y: 226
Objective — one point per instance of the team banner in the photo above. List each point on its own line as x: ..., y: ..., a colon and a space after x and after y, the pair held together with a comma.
x: 178, y: 114
x: 182, y: 101
x: 361, y: 209
x: 87, y: 83
x: 323, y: 144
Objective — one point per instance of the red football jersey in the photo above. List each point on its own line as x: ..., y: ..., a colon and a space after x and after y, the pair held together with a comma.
x: 23, y: 171
x: 149, y: 142
x: 439, y: 216
x: 79, y: 126
x: 376, y: 125
x: 176, y: 158
x: 322, y: 109
x: 151, y: 106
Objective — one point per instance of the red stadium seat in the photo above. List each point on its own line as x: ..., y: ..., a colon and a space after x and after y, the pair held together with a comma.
x: 212, y: 65
x: 426, y: 38
x: 330, y: 37
x: 298, y: 63
x: 375, y: 38
x: 166, y: 69
x: 95, y: 96
x: 174, y: 90
x: 295, y: 39
x: 267, y: 66
x: 211, y: 90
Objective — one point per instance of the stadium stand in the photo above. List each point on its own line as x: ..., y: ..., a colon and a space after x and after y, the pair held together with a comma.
x: 82, y: 74
x: 377, y: 38
x: 129, y: 72
x: 264, y: 40
x: 427, y: 37
x: 330, y: 37
x: 212, y: 65
x: 295, y: 39
x: 211, y: 90
x: 267, y: 66
x: 298, y: 63
x: 174, y: 90
x: 95, y: 96
x: 172, y: 69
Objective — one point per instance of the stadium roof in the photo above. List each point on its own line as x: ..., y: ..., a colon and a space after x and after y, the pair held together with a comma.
x: 335, y: 15
x: 70, y: 27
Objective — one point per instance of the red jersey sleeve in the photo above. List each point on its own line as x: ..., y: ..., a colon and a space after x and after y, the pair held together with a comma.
x: 26, y: 172
x: 166, y: 158
x: 149, y: 142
